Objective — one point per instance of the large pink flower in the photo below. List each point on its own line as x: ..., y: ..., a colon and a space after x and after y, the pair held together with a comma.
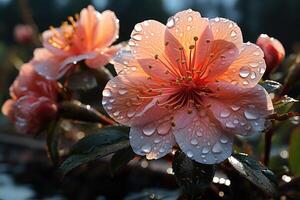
x: 88, y: 37
x: 33, y: 101
x: 193, y: 83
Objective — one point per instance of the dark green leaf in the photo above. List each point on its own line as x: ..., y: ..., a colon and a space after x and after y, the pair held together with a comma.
x: 255, y: 172
x: 193, y: 177
x: 120, y: 159
x: 284, y: 104
x: 83, y: 80
x: 108, y: 140
x: 271, y: 86
x: 294, y: 155
x: 53, y: 134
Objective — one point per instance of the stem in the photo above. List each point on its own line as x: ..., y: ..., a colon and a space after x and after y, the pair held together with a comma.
x: 268, y: 144
x: 285, y: 116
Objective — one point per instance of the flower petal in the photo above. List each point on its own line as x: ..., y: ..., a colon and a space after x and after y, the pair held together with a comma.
x: 201, y: 139
x: 153, y: 137
x: 7, y: 107
x: 239, y: 110
x: 147, y: 44
x: 248, y: 68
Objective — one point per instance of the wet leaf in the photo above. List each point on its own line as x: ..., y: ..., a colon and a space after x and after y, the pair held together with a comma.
x: 255, y: 172
x: 83, y: 80
x: 120, y: 159
x: 294, y: 155
x: 271, y: 86
x: 53, y: 134
x: 193, y: 177
x: 108, y: 140
x: 284, y: 104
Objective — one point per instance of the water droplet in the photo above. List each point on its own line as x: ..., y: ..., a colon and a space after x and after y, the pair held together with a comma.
x: 149, y: 130
x: 109, y: 107
x: 199, y: 133
x: 194, y: 141
x: 122, y: 91
x: 188, y: 28
x: 116, y: 113
x: 146, y: 148
x: 104, y: 102
x: 171, y: 22
x: 157, y: 140
x: 106, y: 92
x: 253, y: 75
x: 133, y: 68
x: 223, y: 140
x: 205, y: 150
x: 137, y: 37
x: 189, y: 10
x: 230, y: 25
x: 244, y: 72
x: 245, y: 82
x: 190, y: 19
x: 224, y: 114
x: 233, y: 33
x: 163, y: 128
x: 254, y: 65
x: 217, y: 19
x: 229, y: 125
x: 262, y: 70
x: 189, y: 154
x: 162, y: 150
x: 131, y: 113
x: 250, y: 115
x: 217, y: 148
x: 138, y: 28
x: 235, y: 121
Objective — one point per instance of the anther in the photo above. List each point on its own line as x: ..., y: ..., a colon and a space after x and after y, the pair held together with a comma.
x: 192, y: 47
x: 173, y: 124
x: 166, y: 44
x: 196, y: 38
x: 149, y: 66
x: 156, y: 56
x: 207, y: 41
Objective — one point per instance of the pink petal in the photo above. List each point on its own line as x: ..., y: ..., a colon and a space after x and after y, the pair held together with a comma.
x: 147, y: 44
x: 248, y: 68
x: 153, y: 137
x: 239, y: 110
x: 7, y: 107
x: 125, y: 97
x: 200, y: 138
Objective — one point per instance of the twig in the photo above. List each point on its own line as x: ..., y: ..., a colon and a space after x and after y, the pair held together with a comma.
x: 268, y: 144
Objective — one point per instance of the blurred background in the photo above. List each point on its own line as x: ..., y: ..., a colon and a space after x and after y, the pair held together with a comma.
x: 25, y: 172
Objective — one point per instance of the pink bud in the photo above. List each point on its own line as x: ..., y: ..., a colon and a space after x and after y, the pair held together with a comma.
x: 273, y: 50
x: 23, y: 33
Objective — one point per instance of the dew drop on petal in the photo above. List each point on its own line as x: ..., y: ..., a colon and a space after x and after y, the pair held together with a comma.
x: 138, y: 28
x: 137, y: 37
x: 131, y: 113
x: 233, y: 33
x: 250, y: 115
x: 171, y: 22
x: 162, y: 150
x: 244, y: 72
x: 224, y: 114
x: 116, y: 113
x: 146, y: 148
x: 253, y: 75
x: 235, y: 107
x: 217, y: 148
x: 106, y: 93
x: 194, y: 141
x: 190, y: 18
x: 157, y: 140
x: 205, y: 150
x: 229, y: 125
x: 189, y: 154
x: 149, y: 130
x: 256, y: 53
x: 188, y: 28
x: 254, y: 65
x: 223, y: 140
x: 122, y: 91
x: 199, y: 133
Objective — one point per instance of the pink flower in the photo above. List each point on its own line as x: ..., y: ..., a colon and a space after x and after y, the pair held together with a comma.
x: 23, y: 33
x: 273, y: 50
x: 192, y: 83
x: 88, y: 37
x: 33, y: 101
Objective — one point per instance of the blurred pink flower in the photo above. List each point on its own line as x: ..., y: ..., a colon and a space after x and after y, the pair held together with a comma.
x: 193, y: 83
x: 273, y: 50
x: 87, y: 37
x: 33, y: 101
x: 23, y: 33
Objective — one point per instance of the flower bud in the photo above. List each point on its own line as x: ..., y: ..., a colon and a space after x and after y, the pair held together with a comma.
x: 273, y: 50
x: 23, y: 33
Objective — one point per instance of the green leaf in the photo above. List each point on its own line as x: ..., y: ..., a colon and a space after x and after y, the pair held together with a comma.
x: 120, y: 159
x: 284, y: 104
x: 53, y: 135
x: 193, y: 177
x: 294, y: 155
x: 83, y: 80
x: 108, y: 140
x: 271, y: 86
x: 255, y: 172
